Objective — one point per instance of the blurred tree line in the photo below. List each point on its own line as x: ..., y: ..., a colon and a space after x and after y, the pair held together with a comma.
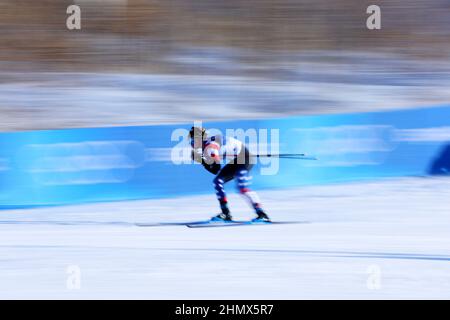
x: 133, y: 34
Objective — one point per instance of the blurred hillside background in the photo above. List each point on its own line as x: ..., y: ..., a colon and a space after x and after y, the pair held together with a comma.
x: 137, y: 62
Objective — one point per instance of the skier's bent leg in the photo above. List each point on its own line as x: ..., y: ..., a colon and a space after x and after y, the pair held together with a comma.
x: 224, y: 175
x: 218, y: 183
x: 243, y: 180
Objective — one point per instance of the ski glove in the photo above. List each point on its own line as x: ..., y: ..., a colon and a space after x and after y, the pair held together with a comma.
x: 197, y: 156
x: 214, y: 168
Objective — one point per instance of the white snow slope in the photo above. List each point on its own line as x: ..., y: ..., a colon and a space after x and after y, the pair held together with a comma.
x: 373, y: 240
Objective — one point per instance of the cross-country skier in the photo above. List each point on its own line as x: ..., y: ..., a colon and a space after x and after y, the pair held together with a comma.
x: 209, y: 151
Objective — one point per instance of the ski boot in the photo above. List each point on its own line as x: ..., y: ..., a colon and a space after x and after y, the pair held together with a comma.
x: 225, y: 216
x: 222, y: 218
x: 261, y: 217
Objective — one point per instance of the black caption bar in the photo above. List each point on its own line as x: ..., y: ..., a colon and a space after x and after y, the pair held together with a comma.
x: 215, y: 309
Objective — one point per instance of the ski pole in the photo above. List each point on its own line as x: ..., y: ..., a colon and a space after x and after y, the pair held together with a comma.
x: 300, y: 156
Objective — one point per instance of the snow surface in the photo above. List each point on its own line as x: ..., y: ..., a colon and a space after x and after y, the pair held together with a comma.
x: 369, y: 240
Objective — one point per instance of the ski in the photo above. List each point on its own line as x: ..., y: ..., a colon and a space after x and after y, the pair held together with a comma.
x: 192, y: 223
x: 163, y: 224
x: 241, y: 223
x: 212, y: 224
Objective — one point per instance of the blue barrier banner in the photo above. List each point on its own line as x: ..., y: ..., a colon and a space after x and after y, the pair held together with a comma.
x: 58, y: 167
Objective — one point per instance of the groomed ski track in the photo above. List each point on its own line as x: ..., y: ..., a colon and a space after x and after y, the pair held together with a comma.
x: 368, y: 240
